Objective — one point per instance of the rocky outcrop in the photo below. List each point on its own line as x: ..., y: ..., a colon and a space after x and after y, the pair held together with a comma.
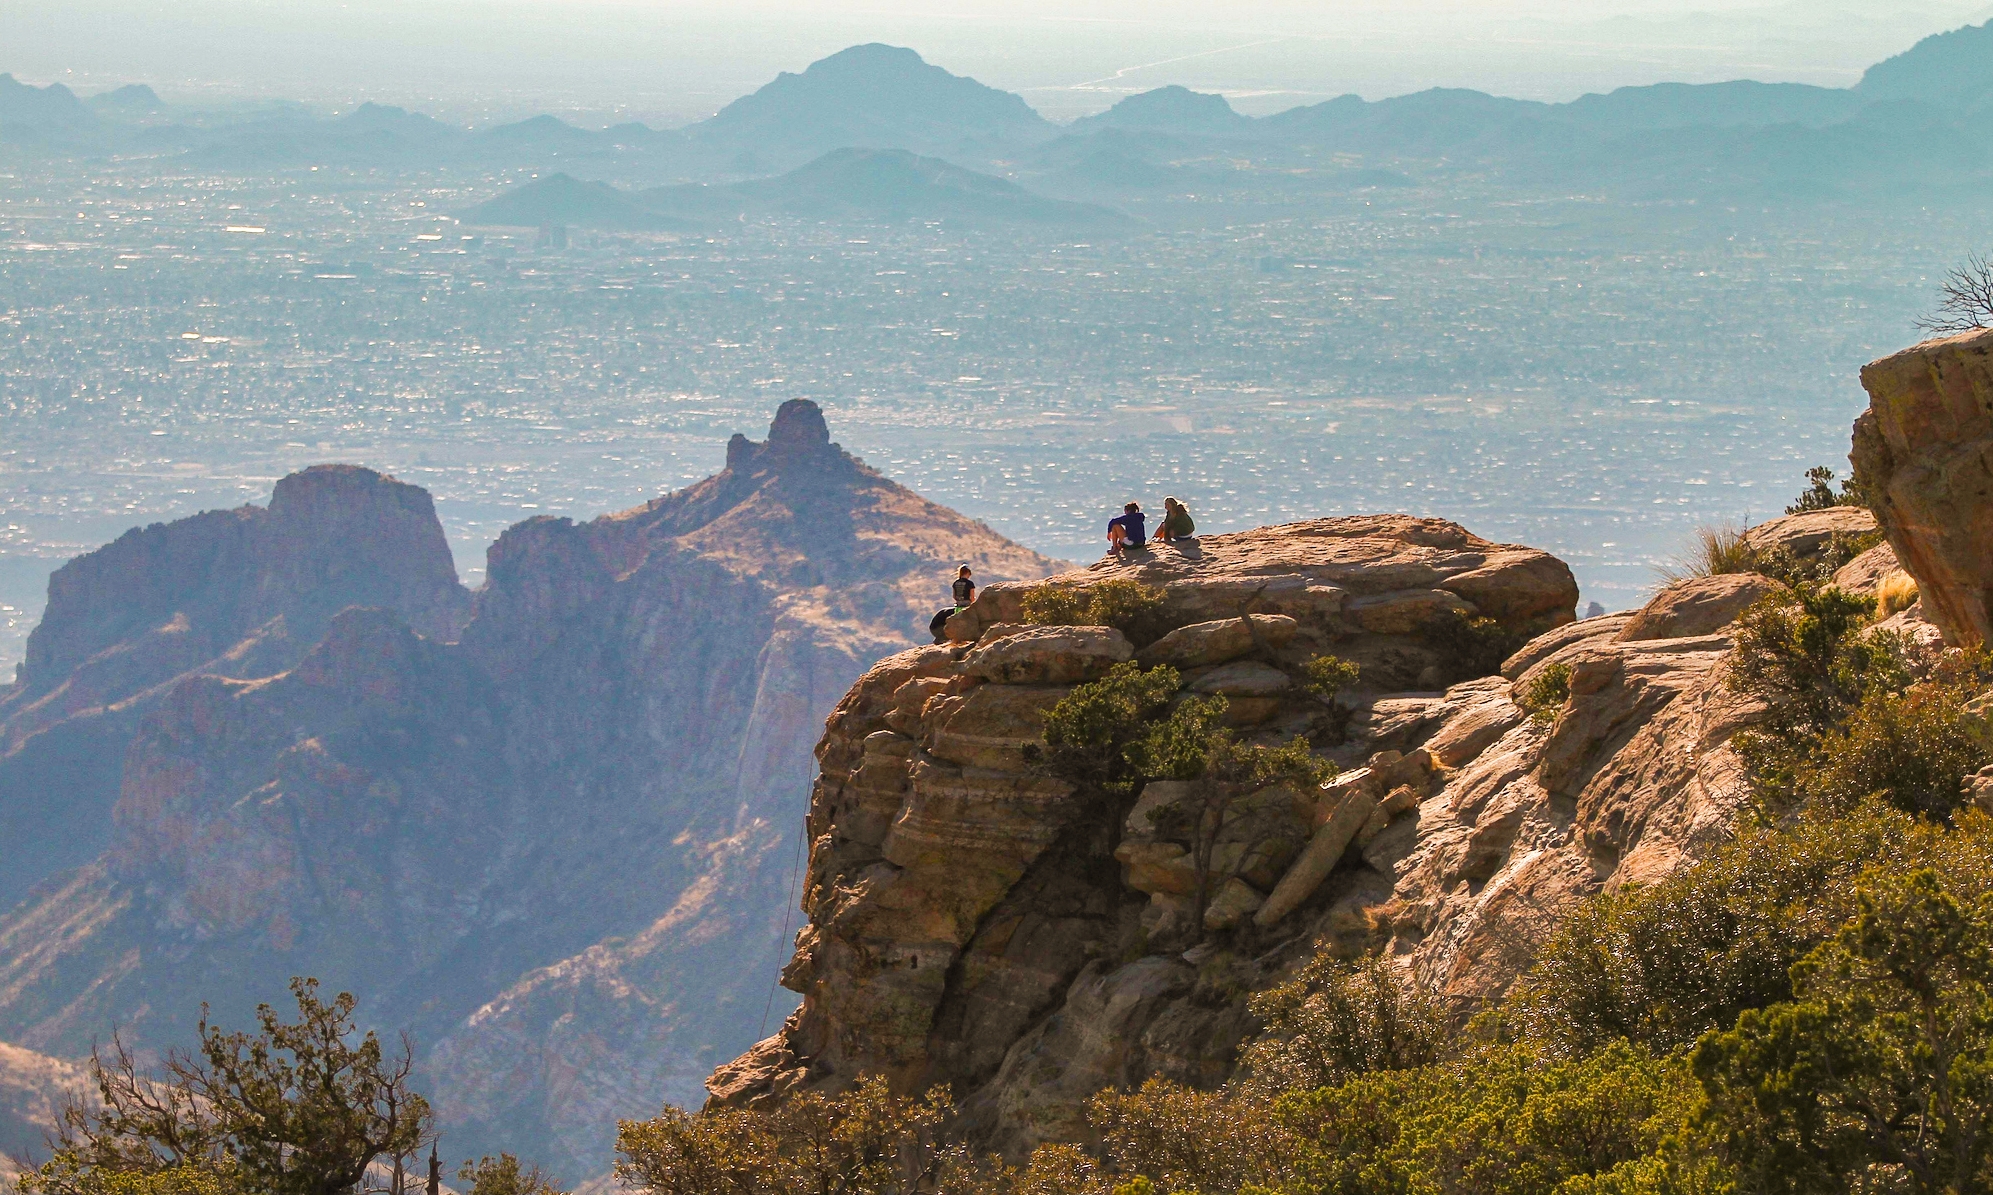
x: 552, y: 839
x: 975, y: 923
x: 238, y: 593
x: 1923, y: 453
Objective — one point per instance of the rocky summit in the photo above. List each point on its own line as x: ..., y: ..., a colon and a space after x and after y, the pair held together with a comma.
x: 547, y: 826
x: 967, y: 926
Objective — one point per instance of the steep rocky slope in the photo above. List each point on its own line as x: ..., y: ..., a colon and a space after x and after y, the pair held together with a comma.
x: 968, y: 925
x: 552, y: 838
x: 238, y: 593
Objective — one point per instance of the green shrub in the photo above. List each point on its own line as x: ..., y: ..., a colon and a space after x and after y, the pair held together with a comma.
x: 503, y: 1175
x: 1659, y: 965
x: 1876, y: 1077
x: 1820, y: 494
x: 1911, y: 749
x: 1329, y: 675
x: 1134, y: 609
x: 1546, y: 692
x: 1503, y: 1120
x: 1087, y: 734
x: 1189, y: 1142
x: 1471, y: 647
x: 1339, y: 1019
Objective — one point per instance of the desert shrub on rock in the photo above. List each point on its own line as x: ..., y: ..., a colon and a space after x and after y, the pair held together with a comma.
x: 1088, y: 732
x: 1127, y: 605
x: 1546, y: 692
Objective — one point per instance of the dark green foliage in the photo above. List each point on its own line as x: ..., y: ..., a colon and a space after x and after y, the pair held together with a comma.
x: 1088, y: 733
x: 1882, y: 1069
x: 1820, y: 494
x: 1502, y: 1120
x: 1337, y: 1020
x: 1192, y: 744
x: 1546, y: 692
x: 503, y: 1175
x: 296, y: 1109
x: 1798, y: 651
x: 1661, y: 964
x: 1911, y: 749
x: 867, y: 1141
x: 1471, y: 647
x: 1134, y: 609
x: 1329, y: 675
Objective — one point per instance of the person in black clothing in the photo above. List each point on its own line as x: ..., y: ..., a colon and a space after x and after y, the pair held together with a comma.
x: 964, y: 593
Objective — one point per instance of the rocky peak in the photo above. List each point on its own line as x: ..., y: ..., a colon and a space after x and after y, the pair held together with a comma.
x: 797, y: 439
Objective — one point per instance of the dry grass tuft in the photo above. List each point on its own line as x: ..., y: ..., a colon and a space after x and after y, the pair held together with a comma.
x: 1896, y: 593
x: 1718, y: 549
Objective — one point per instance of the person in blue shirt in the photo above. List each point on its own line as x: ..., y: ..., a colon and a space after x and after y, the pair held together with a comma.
x: 1130, y: 530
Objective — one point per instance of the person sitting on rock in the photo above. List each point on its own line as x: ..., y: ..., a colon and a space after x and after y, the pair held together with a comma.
x: 1176, y: 522
x: 965, y: 589
x: 1128, y: 530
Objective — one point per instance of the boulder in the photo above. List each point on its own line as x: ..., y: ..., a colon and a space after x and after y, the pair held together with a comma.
x: 1808, y: 533
x: 1234, y: 901
x: 1865, y: 572
x: 1923, y: 452
x: 1217, y: 642
x: 1243, y: 678
x: 1696, y: 606
x: 1406, y: 611
x: 1049, y: 656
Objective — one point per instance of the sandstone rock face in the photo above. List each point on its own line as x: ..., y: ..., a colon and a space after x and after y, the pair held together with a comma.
x: 966, y: 915
x: 1696, y: 606
x: 552, y: 839
x: 1924, y: 452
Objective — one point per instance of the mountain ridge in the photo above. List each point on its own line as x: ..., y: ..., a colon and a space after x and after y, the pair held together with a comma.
x: 621, y: 724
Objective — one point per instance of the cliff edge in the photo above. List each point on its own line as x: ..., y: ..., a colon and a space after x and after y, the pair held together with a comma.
x: 967, y: 927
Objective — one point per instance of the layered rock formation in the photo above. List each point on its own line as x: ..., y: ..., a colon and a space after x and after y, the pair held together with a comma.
x: 1923, y: 453
x: 971, y: 924
x: 550, y: 834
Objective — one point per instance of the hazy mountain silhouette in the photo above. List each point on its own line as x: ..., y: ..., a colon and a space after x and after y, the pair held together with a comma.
x: 1174, y: 109
x: 133, y: 99
x: 563, y: 199
x: 871, y: 185
x: 874, y: 96
x: 54, y: 105
x: 1945, y: 68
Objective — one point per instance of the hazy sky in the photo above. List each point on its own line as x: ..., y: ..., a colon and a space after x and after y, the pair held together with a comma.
x: 669, y: 61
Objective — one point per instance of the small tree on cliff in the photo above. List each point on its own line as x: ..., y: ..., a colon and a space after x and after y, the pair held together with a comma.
x: 299, y: 1108
x: 1088, y: 732
x: 1193, y: 745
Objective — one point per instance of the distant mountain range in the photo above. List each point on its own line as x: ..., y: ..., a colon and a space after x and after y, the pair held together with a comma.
x: 1914, y: 126
x: 845, y: 184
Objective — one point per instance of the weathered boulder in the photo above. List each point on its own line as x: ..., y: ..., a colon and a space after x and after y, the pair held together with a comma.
x: 1807, y: 534
x: 1864, y: 574
x: 1696, y: 606
x: 1923, y: 453
x: 1049, y: 655
x: 1243, y: 678
x: 1217, y: 642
